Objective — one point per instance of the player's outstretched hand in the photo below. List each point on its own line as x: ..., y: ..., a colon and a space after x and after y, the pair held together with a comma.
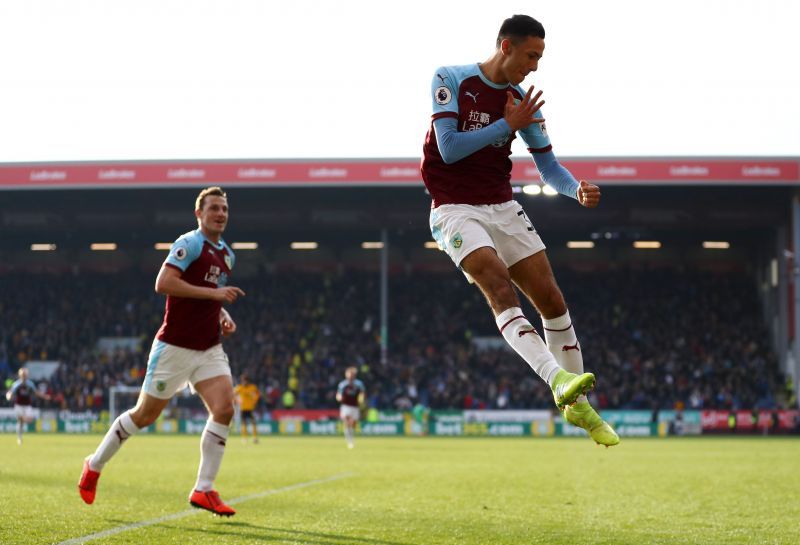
x: 588, y: 194
x: 519, y: 116
x: 228, y: 294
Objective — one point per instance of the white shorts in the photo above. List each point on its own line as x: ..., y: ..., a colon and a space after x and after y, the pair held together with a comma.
x: 347, y: 411
x: 460, y: 229
x: 23, y: 411
x: 170, y: 368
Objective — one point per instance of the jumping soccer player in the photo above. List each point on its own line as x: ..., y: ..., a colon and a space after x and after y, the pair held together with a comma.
x: 187, y: 348
x: 477, y: 110
x: 350, y: 394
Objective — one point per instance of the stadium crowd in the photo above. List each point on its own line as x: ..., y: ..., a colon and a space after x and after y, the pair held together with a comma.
x: 655, y: 339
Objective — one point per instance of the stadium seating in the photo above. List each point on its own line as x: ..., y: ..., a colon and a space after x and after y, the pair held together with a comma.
x: 655, y: 338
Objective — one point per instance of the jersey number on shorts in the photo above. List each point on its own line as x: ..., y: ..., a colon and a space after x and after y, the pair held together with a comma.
x: 524, y: 216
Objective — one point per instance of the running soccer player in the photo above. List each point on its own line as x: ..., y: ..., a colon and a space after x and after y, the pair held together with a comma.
x: 187, y: 348
x: 21, y: 392
x: 350, y: 394
x: 477, y: 111
x: 247, y: 396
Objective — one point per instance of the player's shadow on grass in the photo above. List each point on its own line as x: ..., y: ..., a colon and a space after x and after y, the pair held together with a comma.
x: 268, y: 534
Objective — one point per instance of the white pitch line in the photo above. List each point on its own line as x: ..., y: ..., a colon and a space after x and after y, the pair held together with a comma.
x: 189, y: 512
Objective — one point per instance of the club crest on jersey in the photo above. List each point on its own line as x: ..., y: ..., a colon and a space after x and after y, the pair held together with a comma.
x: 443, y: 95
x: 456, y: 241
x: 180, y: 254
x: 228, y: 262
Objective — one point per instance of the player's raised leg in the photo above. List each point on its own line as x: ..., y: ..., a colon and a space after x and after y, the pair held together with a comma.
x: 217, y: 394
x: 535, y: 278
x: 492, y: 277
x: 127, y: 424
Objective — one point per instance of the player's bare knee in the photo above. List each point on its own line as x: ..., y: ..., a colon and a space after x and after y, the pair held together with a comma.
x: 222, y: 412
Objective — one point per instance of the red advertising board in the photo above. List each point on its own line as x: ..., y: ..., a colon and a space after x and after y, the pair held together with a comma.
x: 788, y: 420
x: 744, y: 421
x: 305, y: 414
x: 714, y: 420
x: 383, y: 172
x: 780, y: 421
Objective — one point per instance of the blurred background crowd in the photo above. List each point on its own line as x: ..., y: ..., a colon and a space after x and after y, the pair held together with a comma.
x: 656, y: 339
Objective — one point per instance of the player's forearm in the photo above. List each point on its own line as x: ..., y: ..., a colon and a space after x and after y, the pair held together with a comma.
x: 555, y: 175
x: 177, y: 287
x: 455, y: 145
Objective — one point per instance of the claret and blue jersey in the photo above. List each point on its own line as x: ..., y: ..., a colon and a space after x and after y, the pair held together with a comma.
x: 350, y: 391
x: 464, y: 93
x: 194, y: 323
x: 471, y: 102
x: 22, y: 392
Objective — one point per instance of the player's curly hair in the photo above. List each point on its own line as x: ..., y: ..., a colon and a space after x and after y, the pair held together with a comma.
x: 201, y: 198
x: 519, y: 27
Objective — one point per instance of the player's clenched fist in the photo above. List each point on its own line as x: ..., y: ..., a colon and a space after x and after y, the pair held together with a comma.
x: 588, y: 194
x: 226, y: 323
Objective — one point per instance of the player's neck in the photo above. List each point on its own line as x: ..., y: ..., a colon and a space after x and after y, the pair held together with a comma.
x: 491, y: 69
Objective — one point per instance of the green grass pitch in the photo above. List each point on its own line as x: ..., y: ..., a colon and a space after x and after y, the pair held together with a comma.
x: 404, y: 491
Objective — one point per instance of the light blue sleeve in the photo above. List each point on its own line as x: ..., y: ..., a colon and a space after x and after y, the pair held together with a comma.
x: 444, y: 93
x: 185, y: 250
x: 341, y: 386
x: 455, y: 145
x: 17, y: 383
x: 555, y: 175
x: 361, y: 386
x: 535, y: 136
